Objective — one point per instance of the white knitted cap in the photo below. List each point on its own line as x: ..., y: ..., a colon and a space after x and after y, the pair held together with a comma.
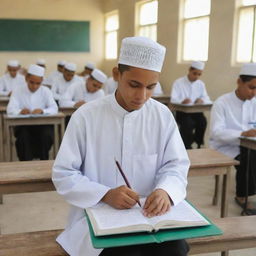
x: 70, y: 66
x: 62, y: 62
x: 90, y: 65
x: 13, y: 63
x: 40, y: 62
x: 36, y: 70
x: 142, y: 52
x: 197, y: 65
x: 99, y: 76
x: 248, y: 69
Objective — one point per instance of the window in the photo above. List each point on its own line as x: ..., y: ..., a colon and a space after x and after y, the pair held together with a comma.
x: 111, y: 32
x: 196, y: 17
x: 147, y: 19
x: 246, y: 41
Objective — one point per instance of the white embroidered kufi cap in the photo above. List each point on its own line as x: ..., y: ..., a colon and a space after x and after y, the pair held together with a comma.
x: 90, y: 65
x: 36, y: 70
x: 248, y: 69
x: 198, y: 65
x: 99, y: 75
x: 62, y: 63
x: 13, y: 63
x: 70, y: 66
x: 142, y: 52
x: 40, y: 62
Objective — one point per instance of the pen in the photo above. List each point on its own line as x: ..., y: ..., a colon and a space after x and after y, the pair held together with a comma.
x: 124, y: 177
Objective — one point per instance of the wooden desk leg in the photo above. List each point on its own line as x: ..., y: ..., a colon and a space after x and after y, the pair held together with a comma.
x: 56, y: 141
x: 8, y: 143
x: 1, y: 199
x: 226, y: 253
x: 216, y: 190
x: 224, y: 196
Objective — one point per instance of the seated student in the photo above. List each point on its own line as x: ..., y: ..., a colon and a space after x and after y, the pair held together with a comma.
x: 142, y: 135
x: 55, y: 74
x: 190, y: 90
x: 32, y: 98
x: 88, y: 68
x: 234, y: 115
x: 12, y: 79
x: 81, y: 92
x: 62, y: 83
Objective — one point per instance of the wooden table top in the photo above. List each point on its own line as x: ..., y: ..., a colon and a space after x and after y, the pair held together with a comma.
x: 35, y: 171
x: 190, y: 108
x: 248, y: 142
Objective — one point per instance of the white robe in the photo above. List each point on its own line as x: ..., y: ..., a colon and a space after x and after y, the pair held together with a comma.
x: 183, y: 88
x: 230, y: 116
x: 22, y: 98
x: 147, y: 144
x: 50, y: 80
x: 60, y: 86
x: 8, y: 83
x: 158, y: 90
x: 77, y: 92
x: 110, y: 86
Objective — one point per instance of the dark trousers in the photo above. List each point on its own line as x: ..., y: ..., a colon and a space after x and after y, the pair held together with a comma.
x: 33, y: 142
x: 241, y: 173
x: 192, y: 128
x: 170, y: 248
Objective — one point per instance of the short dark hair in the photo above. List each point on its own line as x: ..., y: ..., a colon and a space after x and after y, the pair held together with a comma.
x: 246, y: 78
x: 122, y: 68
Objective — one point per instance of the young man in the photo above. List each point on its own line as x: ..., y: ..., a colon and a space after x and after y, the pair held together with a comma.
x: 12, y: 79
x: 142, y: 135
x: 32, y: 98
x: 62, y: 83
x: 81, y: 92
x: 234, y: 115
x: 190, y: 90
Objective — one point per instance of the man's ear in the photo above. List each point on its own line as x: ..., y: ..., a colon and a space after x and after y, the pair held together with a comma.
x: 115, y: 73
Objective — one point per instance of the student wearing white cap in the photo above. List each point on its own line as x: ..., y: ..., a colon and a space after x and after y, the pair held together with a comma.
x: 49, y: 81
x: 190, y: 90
x: 62, y: 83
x: 141, y: 134
x: 32, y: 98
x: 88, y: 68
x: 81, y: 92
x: 12, y: 79
x: 234, y: 115
x: 41, y: 63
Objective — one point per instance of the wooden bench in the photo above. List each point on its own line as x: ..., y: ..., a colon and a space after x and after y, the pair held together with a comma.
x: 35, y: 176
x: 239, y: 233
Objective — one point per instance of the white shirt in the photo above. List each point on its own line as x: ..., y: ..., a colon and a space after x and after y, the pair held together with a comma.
x: 230, y: 116
x: 52, y: 78
x: 110, y: 86
x: 77, y: 92
x: 22, y: 98
x: 60, y: 86
x: 147, y: 144
x: 8, y: 83
x: 183, y: 88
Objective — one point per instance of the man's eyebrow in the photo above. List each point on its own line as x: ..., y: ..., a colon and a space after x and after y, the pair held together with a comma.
x: 138, y: 83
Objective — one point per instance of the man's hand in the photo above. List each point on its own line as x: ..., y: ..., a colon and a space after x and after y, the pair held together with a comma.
x: 79, y: 104
x: 186, y: 101
x: 157, y: 203
x: 25, y: 111
x: 121, y: 197
x: 37, y: 111
x: 249, y: 133
x: 199, y: 101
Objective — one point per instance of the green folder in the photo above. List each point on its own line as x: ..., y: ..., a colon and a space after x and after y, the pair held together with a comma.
x: 150, y: 237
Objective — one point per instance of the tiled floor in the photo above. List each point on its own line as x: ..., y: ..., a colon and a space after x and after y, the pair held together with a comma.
x: 47, y: 210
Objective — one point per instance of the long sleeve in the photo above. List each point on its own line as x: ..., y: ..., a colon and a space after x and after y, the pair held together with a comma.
x: 204, y: 96
x: 14, y: 106
x: 55, y: 91
x: 70, y: 182
x: 67, y: 100
x: 175, y: 96
x: 3, y: 89
x: 51, y: 106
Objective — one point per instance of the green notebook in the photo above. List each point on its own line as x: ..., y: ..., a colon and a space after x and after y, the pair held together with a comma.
x: 160, y: 236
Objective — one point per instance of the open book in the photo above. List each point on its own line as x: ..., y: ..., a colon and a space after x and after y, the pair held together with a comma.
x: 106, y: 220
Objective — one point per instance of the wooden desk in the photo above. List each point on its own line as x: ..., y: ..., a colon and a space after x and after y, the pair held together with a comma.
x: 67, y: 111
x: 56, y: 120
x: 248, y: 142
x: 165, y: 99
x: 2, y: 112
x: 4, y: 100
x: 209, y: 162
x: 187, y: 108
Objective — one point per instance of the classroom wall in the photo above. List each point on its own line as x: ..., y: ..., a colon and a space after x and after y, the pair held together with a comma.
x: 220, y: 74
x: 87, y: 10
